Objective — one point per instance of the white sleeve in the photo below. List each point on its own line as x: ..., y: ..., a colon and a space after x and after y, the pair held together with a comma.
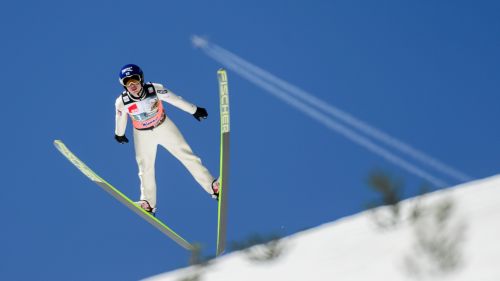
x: 120, y: 118
x: 168, y: 96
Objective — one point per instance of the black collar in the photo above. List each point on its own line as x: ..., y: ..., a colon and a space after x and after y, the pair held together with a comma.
x: 142, y: 94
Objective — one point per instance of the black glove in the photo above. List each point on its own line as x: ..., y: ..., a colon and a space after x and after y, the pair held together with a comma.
x: 121, y: 139
x: 200, y: 113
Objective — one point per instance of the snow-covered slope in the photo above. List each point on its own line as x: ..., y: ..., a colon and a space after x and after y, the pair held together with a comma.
x: 455, y: 237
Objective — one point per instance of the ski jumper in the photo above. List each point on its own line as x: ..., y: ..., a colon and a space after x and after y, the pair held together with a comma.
x: 152, y: 127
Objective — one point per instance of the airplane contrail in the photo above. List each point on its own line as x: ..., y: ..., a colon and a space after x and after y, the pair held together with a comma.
x: 331, y: 110
x: 292, y: 95
x: 349, y: 119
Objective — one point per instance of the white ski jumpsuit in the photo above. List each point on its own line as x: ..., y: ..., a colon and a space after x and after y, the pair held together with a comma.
x: 152, y: 127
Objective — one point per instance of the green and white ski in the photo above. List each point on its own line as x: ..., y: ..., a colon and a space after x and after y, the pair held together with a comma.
x: 120, y: 196
x: 224, y: 161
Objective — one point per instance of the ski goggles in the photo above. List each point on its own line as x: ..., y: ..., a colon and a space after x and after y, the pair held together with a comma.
x: 128, y: 79
x: 132, y: 82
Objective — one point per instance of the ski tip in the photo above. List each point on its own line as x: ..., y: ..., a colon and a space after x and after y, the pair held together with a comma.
x: 221, y: 73
x: 222, y: 69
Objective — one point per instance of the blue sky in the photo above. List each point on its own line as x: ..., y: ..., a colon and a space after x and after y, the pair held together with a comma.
x: 425, y: 72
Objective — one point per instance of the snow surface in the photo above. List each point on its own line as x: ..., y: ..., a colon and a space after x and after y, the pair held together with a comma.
x: 357, y: 248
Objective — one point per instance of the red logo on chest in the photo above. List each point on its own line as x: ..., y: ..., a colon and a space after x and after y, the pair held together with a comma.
x: 132, y: 109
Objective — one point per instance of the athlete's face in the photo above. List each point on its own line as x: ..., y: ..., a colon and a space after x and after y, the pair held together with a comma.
x: 134, y: 86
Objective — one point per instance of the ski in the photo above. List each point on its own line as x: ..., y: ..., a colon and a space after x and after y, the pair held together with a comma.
x: 224, y: 161
x: 120, y: 196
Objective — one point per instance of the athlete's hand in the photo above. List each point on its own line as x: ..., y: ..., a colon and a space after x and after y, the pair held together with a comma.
x: 121, y: 139
x: 200, y: 113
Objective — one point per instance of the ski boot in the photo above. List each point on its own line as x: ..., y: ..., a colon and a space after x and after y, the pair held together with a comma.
x: 143, y: 204
x: 215, y: 189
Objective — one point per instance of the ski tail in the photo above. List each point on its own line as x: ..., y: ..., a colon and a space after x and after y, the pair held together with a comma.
x: 224, y: 160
